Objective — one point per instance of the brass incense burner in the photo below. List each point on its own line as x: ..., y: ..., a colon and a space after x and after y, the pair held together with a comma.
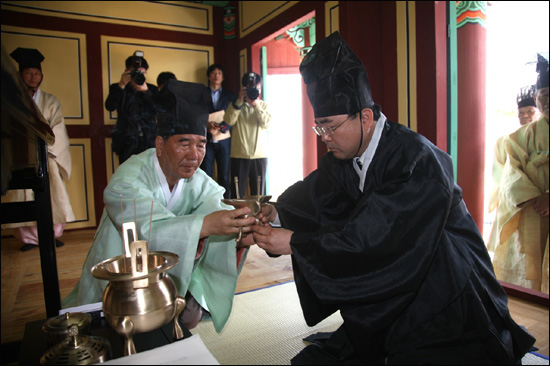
x: 140, y: 296
x: 57, y: 328
x: 77, y: 349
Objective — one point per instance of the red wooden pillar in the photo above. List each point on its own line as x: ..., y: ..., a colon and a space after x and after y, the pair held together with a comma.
x: 431, y: 71
x: 471, y: 60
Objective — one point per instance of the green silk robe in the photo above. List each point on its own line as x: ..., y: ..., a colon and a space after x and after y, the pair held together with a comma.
x: 211, y: 277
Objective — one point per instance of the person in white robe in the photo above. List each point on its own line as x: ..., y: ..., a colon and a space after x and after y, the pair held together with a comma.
x: 59, y: 155
x: 177, y: 208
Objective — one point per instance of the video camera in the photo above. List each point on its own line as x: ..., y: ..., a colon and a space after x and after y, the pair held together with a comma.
x: 137, y: 60
x: 251, y: 92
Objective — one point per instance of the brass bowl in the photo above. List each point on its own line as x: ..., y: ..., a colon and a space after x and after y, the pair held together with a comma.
x: 147, y: 298
x: 120, y: 268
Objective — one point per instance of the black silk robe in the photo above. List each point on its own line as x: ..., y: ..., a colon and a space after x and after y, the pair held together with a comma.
x: 403, y: 261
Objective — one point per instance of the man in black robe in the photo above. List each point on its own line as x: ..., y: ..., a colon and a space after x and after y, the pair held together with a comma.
x: 380, y: 232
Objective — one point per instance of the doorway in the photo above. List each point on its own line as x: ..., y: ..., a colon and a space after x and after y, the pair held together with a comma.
x: 285, y: 151
x: 516, y: 32
x: 290, y: 152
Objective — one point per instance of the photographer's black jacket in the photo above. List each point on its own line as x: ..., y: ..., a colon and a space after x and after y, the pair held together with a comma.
x: 135, y: 130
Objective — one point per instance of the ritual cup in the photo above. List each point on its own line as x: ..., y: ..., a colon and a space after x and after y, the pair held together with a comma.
x: 255, y: 205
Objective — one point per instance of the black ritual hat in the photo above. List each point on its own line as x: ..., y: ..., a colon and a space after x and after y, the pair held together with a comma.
x: 182, y: 109
x: 27, y: 58
x: 542, y: 69
x: 525, y: 97
x: 337, y: 81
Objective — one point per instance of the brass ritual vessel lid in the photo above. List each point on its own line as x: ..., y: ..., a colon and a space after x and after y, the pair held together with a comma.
x: 61, y: 323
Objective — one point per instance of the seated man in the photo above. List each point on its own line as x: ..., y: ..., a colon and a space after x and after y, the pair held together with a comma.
x: 178, y: 207
x: 380, y: 233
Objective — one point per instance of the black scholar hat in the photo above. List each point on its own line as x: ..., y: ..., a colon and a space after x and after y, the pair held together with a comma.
x: 182, y: 109
x: 337, y: 81
x: 542, y: 69
x: 525, y: 97
x: 27, y: 58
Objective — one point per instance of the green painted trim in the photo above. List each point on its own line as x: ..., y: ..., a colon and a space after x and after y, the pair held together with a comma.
x: 297, y: 34
x: 476, y: 9
x: 452, y: 87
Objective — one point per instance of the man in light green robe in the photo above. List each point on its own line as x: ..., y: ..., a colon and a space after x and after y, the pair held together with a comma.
x: 175, y: 212
x: 521, y: 245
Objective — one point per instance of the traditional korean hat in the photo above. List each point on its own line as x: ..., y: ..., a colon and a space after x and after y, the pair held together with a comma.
x: 182, y: 109
x: 542, y: 69
x: 27, y: 58
x: 525, y: 97
x: 337, y: 81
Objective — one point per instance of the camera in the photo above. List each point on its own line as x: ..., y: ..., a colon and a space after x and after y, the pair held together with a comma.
x: 137, y: 76
x: 251, y: 92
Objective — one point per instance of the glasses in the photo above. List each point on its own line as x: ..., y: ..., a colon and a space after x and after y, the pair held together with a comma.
x: 329, y: 131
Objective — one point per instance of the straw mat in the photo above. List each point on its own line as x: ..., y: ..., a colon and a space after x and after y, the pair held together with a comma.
x: 266, y: 327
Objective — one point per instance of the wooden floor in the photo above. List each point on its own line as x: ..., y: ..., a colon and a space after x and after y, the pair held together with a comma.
x: 23, y: 294
x: 23, y: 297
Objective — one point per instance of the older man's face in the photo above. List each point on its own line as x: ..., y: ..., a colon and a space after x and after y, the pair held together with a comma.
x: 32, y: 77
x: 180, y: 156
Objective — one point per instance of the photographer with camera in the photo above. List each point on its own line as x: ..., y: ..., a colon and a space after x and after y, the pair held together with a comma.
x: 132, y: 98
x: 250, y: 118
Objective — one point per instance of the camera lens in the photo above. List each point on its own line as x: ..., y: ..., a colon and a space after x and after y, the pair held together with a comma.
x: 138, y: 77
x: 252, y: 93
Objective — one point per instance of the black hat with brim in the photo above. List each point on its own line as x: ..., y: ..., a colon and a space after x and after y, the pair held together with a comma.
x: 182, y: 108
x: 337, y: 81
x: 27, y: 58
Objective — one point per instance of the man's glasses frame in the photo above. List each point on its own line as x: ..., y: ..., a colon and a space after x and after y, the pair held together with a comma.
x: 329, y: 131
